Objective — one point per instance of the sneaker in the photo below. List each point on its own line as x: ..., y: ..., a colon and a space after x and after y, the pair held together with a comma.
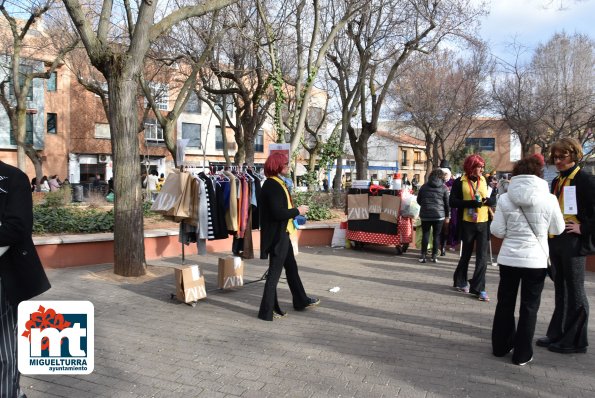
x: 434, y: 260
x: 312, y: 301
x: 523, y: 363
x: 483, y: 296
x: 422, y: 260
x: 279, y: 315
x: 442, y: 252
x: 464, y: 289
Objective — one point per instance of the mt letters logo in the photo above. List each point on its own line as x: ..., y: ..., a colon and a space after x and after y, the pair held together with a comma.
x: 56, y: 337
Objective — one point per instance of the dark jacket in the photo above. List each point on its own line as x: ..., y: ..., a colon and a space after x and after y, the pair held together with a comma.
x: 456, y: 200
x: 433, y: 200
x: 274, y: 215
x: 21, y: 271
x: 585, y: 203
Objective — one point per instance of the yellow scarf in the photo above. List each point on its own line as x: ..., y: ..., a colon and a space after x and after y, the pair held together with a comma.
x: 470, y: 188
x: 290, y: 227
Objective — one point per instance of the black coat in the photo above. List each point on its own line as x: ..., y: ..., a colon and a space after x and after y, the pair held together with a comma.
x: 585, y: 204
x: 456, y: 200
x: 433, y: 200
x: 21, y: 271
x: 274, y: 216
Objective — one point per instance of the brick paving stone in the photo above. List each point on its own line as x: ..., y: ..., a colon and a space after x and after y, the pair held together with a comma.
x: 394, y: 329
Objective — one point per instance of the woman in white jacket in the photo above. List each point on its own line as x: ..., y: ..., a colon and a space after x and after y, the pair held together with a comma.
x: 524, y: 217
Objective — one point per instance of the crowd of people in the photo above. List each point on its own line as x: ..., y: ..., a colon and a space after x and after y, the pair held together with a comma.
x: 543, y: 231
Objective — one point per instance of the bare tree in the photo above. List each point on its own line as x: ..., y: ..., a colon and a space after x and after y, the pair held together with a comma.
x: 239, y: 76
x: 564, y: 81
x: 386, y: 33
x: 117, y: 48
x: 177, y: 59
x: 297, y: 49
x: 514, y: 100
x: 440, y: 94
x: 29, y: 54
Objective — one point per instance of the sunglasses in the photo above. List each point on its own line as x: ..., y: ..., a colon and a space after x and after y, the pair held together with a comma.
x: 559, y: 157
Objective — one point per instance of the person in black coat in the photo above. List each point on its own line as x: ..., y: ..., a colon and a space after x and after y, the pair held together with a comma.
x: 21, y: 273
x: 469, y: 194
x: 434, y: 210
x: 276, y: 224
x: 568, y: 328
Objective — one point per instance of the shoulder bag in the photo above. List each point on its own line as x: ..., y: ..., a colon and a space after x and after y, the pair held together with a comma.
x: 550, y: 270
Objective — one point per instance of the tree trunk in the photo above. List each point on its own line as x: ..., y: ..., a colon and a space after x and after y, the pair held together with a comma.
x: 129, y: 250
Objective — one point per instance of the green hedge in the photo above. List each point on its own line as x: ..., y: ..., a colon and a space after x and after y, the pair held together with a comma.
x: 48, y: 219
x: 319, y: 204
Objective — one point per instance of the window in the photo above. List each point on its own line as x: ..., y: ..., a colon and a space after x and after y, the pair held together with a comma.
x: 231, y: 145
x: 404, y: 158
x: 259, y: 143
x: 21, y: 82
x: 218, y: 138
x: 481, y: 144
x: 53, y: 81
x: 153, y: 131
x: 28, y: 131
x: 191, y: 131
x: 228, y: 105
x: 417, y: 157
x: 52, y: 123
x: 193, y: 105
x: 160, y: 94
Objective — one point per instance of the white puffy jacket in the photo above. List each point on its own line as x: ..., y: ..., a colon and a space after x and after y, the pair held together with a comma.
x: 520, y: 247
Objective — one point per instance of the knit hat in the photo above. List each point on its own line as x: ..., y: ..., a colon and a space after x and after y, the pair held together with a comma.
x: 444, y: 164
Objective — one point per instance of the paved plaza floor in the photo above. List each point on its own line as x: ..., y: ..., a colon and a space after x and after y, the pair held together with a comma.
x: 395, y: 328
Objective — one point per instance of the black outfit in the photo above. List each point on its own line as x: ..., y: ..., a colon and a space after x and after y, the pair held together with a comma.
x: 274, y: 242
x: 21, y: 273
x: 433, y: 201
x: 470, y: 233
x: 567, y: 331
x: 505, y: 334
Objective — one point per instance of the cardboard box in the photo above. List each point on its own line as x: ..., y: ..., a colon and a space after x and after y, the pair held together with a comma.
x: 190, y: 284
x: 231, y: 272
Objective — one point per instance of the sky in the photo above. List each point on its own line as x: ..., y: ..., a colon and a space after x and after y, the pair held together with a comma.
x: 533, y: 22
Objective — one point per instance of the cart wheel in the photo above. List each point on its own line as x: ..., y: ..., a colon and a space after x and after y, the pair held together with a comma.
x: 405, y: 247
x: 356, y: 245
x: 399, y: 251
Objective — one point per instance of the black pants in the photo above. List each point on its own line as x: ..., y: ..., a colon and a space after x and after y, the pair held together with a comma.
x: 286, y: 260
x: 9, y: 374
x: 569, y: 323
x: 473, y: 233
x: 436, y: 227
x: 504, y: 334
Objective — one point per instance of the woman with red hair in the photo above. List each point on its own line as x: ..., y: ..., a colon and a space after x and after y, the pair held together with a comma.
x: 469, y: 194
x: 276, y: 224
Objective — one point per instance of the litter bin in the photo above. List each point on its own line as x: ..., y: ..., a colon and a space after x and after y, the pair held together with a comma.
x: 77, y: 193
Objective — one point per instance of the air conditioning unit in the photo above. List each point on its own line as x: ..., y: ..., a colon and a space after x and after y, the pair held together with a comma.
x: 104, y: 158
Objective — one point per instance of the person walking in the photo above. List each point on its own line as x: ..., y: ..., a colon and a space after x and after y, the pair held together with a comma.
x: 523, y: 218
x: 469, y: 194
x: 434, y: 210
x: 568, y: 328
x: 276, y: 225
x: 21, y: 274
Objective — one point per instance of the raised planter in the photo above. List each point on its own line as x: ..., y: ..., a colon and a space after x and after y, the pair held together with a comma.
x: 75, y: 250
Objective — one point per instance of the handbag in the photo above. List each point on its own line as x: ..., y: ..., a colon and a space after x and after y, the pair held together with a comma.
x: 550, y: 270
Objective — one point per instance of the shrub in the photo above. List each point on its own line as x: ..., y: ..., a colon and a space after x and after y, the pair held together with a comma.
x: 318, y: 202
x: 47, y: 219
x: 61, y: 197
